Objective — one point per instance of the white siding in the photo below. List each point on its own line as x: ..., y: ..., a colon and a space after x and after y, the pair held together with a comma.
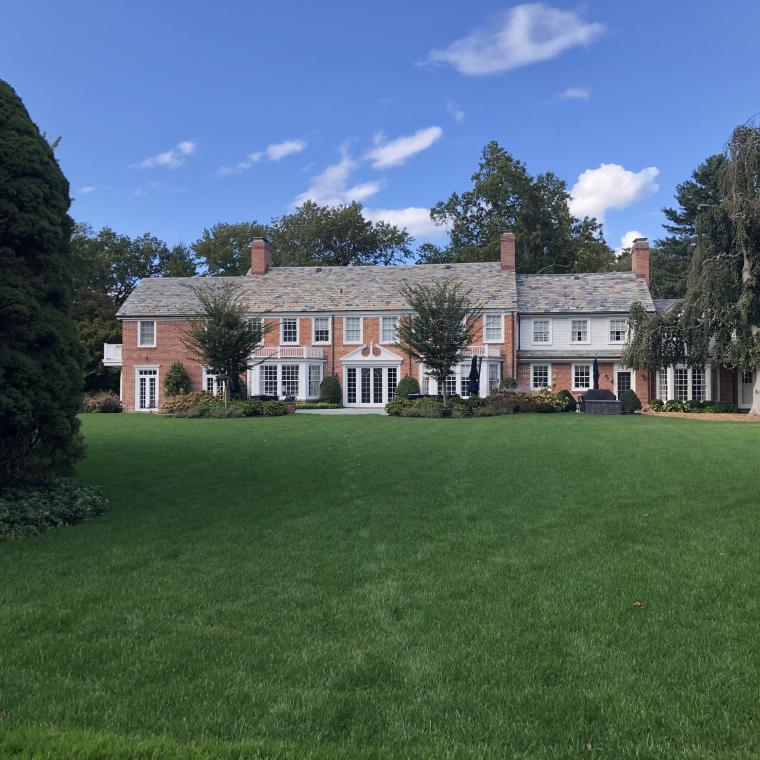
x: 599, y: 334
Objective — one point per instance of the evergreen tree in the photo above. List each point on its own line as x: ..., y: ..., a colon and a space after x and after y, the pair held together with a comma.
x: 40, y: 354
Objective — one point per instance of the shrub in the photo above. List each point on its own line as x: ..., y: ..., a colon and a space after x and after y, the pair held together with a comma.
x: 693, y: 406
x: 673, y: 406
x: 177, y: 381
x: 508, y: 383
x: 656, y: 405
x: 426, y: 407
x: 540, y: 401
x: 329, y: 390
x: 720, y: 407
x: 486, y: 411
x: 274, y: 408
x: 569, y: 403
x: 630, y: 401
x: 504, y: 402
x: 102, y: 402
x: 317, y: 405
x: 187, y: 401
x: 394, y: 407
x: 25, y: 511
x: 407, y: 385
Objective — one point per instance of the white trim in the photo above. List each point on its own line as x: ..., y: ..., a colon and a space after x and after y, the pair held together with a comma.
x: 140, y: 344
x: 316, y: 342
x: 137, y: 369
x: 739, y: 389
x: 361, y: 331
x: 590, y: 365
x: 533, y: 342
x: 548, y: 365
x: 500, y: 316
x: 609, y: 331
x: 388, y: 342
x: 622, y: 368
x: 588, y: 331
x: 297, y: 341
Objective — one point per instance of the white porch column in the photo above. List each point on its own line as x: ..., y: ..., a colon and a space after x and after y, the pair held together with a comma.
x: 671, y: 383
x: 708, y: 381
x: 303, y: 380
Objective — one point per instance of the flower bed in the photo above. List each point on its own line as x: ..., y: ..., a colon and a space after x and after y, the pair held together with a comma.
x: 503, y: 401
x: 202, y: 404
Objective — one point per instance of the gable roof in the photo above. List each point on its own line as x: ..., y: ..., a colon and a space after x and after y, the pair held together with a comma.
x: 664, y: 305
x: 324, y: 289
x: 592, y: 292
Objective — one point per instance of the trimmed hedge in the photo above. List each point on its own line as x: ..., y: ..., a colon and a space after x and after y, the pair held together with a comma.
x: 202, y: 404
x: 568, y: 401
x: 508, y: 383
x: 329, y: 391
x: 630, y: 401
x: 693, y: 406
x: 28, y: 511
x: 498, y: 402
x: 317, y: 405
x: 103, y: 402
x: 407, y: 385
x: 186, y: 401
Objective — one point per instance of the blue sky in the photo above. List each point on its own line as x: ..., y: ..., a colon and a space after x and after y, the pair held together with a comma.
x: 175, y: 116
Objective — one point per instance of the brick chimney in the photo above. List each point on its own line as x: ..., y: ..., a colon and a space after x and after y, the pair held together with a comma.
x: 261, y: 255
x: 640, y: 258
x: 508, y: 251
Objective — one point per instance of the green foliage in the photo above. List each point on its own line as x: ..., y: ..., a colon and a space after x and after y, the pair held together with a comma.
x: 408, y: 384
x: 507, y: 383
x: 432, y: 407
x: 504, y: 401
x: 510, y: 401
x: 177, y: 381
x: 719, y: 407
x: 225, y: 249
x: 394, y: 406
x: 102, y: 402
x: 26, y: 511
x: 317, y: 405
x: 569, y: 403
x: 40, y: 352
x: 440, y: 326
x: 329, y: 390
x: 184, y: 402
x: 504, y: 196
x: 630, y: 401
x: 693, y: 405
x: 201, y: 405
x: 656, y: 405
x: 673, y: 405
x: 425, y: 407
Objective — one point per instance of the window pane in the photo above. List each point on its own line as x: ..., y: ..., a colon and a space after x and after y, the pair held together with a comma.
x: 147, y: 333
x: 618, y: 330
x: 541, y: 331
x: 146, y: 389
x: 623, y: 382
x: 289, y: 330
x: 388, y: 330
x: 315, y: 378
x: 579, y: 331
x: 289, y: 379
x: 377, y: 385
x: 681, y: 384
x: 321, y: 330
x: 698, y: 384
x: 451, y: 385
x: 494, y: 327
x: 268, y: 379
x: 352, y: 330
x: 351, y: 385
x: 365, y: 385
x: 582, y: 376
x: 540, y: 375
x: 392, y: 382
x: 662, y: 385
x: 493, y: 376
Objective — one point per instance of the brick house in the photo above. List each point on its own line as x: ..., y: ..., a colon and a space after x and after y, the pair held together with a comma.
x: 545, y: 330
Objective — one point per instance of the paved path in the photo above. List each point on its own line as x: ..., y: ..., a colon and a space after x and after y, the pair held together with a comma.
x: 346, y: 410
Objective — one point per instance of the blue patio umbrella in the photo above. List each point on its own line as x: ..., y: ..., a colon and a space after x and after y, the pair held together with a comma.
x: 473, y: 385
x: 595, y: 370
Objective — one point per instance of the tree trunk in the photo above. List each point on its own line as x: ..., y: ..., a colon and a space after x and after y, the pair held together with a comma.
x: 746, y: 276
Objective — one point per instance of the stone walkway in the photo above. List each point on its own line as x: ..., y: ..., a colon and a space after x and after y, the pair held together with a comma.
x: 345, y: 410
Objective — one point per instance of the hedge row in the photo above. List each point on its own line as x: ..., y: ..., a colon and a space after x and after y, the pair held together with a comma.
x: 708, y: 407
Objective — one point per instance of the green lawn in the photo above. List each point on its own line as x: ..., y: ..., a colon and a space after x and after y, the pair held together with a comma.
x: 367, y: 587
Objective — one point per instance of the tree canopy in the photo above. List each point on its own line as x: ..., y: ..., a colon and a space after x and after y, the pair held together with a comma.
x: 40, y: 354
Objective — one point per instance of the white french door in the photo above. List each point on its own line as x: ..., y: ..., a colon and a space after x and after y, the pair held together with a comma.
x: 147, y: 390
x: 746, y: 387
x: 369, y: 386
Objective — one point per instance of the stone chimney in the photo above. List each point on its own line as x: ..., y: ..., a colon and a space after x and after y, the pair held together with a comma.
x: 261, y: 255
x: 508, y: 251
x: 640, y: 258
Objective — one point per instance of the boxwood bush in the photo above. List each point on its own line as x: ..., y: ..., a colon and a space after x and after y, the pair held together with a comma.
x: 202, y: 404
x: 673, y: 406
x: 508, y: 383
x: 569, y: 403
x: 30, y: 510
x: 656, y: 405
x: 630, y: 401
x: 407, y: 385
x: 329, y: 390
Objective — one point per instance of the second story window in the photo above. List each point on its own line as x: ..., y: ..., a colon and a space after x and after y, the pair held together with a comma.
x: 579, y: 331
x: 542, y: 332
x: 146, y: 334
x: 388, y: 329
x: 494, y: 328
x: 289, y: 330
x: 321, y: 330
x: 352, y: 329
x: 618, y: 330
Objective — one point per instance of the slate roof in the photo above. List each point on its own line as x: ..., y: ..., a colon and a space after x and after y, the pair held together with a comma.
x: 664, y: 305
x: 324, y: 289
x: 569, y: 293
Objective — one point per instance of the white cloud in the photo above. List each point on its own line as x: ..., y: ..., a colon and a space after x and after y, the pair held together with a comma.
x: 331, y: 187
x: 276, y: 151
x: 241, y: 166
x: 610, y: 187
x: 574, y: 93
x: 171, y: 159
x: 416, y: 220
x: 517, y: 37
x: 626, y: 241
x: 86, y: 189
x: 455, y: 111
x: 396, y: 152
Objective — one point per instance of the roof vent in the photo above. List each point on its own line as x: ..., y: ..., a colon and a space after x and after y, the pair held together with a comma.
x: 318, y: 269
x: 577, y: 277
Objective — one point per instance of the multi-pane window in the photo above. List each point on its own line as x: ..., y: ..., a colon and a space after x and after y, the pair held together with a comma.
x: 377, y: 385
x: 258, y: 324
x: 214, y: 385
x: 289, y: 330
x: 581, y: 376
x: 464, y: 385
x: 289, y: 380
x: 351, y: 385
x: 146, y: 333
x: 681, y: 383
x: 539, y: 376
x: 494, y: 328
x: 315, y: 378
x: 392, y: 382
x: 451, y: 385
x: 388, y: 329
x: 698, y: 383
x: 352, y: 329
x: 579, y: 331
x: 618, y: 330
x: 662, y: 384
x: 366, y: 384
x: 493, y: 376
x: 321, y: 330
x: 748, y: 377
x: 623, y: 381
x: 268, y: 378
x: 542, y: 331
x: 147, y: 385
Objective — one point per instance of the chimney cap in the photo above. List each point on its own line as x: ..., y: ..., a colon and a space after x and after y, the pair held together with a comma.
x: 640, y: 240
x: 265, y: 238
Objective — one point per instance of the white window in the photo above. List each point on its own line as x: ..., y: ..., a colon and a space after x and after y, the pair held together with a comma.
x: 451, y: 385
x: 351, y: 385
x: 258, y: 323
x: 698, y: 383
x: 493, y: 376
x: 321, y: 330
x: 464, y: 385
x: 581, y: 376
x: 618, y: 330
x: 289, y: 383
x: 392, y: 382
x: 288, y: 330
x: 542, y: 331
x: 662, y: 385
x: 352, y: 329
x: 494, y: 328
x: 146, y: 334
x: 539, y: 376
x: 147, y: 389
x: 315, y: 378
x: 681, y: 381
x: 579, y: 331
x: 388, y: 329
x: 212, y: 384
x: 268, y: 379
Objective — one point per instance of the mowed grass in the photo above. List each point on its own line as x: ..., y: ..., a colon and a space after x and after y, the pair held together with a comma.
x: 363, y: 586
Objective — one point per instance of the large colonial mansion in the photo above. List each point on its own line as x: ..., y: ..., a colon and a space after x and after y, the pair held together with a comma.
x: 545, y: 330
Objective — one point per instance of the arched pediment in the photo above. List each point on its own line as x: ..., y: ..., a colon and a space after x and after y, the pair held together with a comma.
x: 372, y: 353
